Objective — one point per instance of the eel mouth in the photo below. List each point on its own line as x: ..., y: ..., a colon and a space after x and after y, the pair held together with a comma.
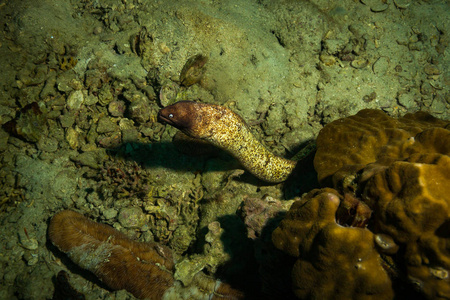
x: 162, y: 118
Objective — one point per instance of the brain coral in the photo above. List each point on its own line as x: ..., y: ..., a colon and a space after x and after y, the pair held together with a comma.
x: 411, y: 203
x: 400, y: 170
x: 334, y: 262
x: 347, y: 145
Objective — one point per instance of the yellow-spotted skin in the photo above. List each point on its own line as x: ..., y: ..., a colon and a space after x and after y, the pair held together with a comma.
x: 227, y: 130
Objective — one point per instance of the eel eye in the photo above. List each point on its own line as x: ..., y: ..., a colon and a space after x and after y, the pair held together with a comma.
x: 170, y: 116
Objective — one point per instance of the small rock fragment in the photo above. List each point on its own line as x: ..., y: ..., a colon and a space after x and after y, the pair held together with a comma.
x: 75, y: 100
x: 105, y: 125
x: 327, y: 60
x: 116, y: 108
x: 72, y: 137
x: 193, y: 70
x: 359, y: 63
x: 139, y: 111
x: 132, y: 217
x: 430, y: 69
x: 402, y: 4
x: 168, y: 93
x: 381, y: 66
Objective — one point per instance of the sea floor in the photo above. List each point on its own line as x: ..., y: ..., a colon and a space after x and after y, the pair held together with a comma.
x: 82, y: 83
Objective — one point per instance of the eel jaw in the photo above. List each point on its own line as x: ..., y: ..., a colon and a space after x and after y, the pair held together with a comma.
x: 181, y: 115
x: 165, y: 119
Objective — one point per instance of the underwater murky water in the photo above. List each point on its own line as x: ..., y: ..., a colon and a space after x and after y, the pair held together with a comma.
x: 82, y: 83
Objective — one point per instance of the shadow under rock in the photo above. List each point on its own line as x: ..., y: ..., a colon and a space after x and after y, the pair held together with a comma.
x: 165, y: 155
x: 241, y: 271
x: 255, y: 266
x: 303, y: 179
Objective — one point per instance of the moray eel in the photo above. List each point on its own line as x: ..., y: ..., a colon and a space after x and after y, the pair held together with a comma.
x: 225, y: 129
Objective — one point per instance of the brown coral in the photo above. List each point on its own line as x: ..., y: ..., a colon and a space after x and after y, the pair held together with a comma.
x: 400, y: 168
x: 412, y: 203
x: 347, y: 145
x: 143, y: 269
x: 334, y: 262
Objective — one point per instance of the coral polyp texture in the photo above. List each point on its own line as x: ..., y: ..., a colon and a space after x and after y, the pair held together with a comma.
x: 334, y: 262
x: 143, y: 269
x: 347, y: 145
x: 412, y: 205
x: 398, y: 171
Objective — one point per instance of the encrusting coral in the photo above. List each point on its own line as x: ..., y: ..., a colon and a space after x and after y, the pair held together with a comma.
x: 143, y: 269
x: 347, y: 145
x: 398, y: 172
x: 334, y: 262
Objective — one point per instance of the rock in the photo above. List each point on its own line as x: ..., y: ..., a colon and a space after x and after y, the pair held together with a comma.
x: 89, y: 159
x: 116, y: 108
x: 105, y: 95
x: 75, y: 100
x: 3, y: 140
x: 430, y: 69
x: 327, y: 60
x: 110, y: 213
x: 47, y: 144
x: 106, y: 124
x: 139, y: 111
x: 132, y: 217
x: 67, y: 120
x: 27, y: 240
x: 381, y: 66
x: 72, y: 136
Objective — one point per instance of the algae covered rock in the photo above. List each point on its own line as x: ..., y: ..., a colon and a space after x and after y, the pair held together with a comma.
x: 30, y: 124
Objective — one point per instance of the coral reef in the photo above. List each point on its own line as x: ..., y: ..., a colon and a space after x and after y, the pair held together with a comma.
x: 334, y: 262
x: 347, y: 145
x: 394, y: 175
x: 78, y: 106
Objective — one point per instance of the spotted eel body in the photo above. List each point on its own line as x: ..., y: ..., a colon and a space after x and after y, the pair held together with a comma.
x: 227, y: 130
